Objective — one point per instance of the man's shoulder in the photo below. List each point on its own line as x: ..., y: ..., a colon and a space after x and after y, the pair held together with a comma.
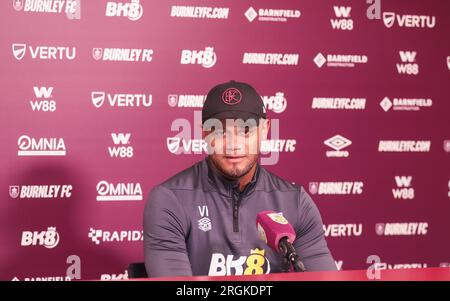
x: 187, y: 179
x: 271, y: 181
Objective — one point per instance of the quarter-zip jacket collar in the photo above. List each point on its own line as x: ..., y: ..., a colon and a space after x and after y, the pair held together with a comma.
x: 228, y: 187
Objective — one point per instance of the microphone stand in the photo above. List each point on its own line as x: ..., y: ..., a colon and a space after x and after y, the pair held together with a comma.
x: 290, y: 257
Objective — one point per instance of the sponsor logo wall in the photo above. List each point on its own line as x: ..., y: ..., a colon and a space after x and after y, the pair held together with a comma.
x: 101, y: 101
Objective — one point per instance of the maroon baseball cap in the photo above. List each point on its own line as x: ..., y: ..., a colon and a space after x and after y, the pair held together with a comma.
x: 233, y: 100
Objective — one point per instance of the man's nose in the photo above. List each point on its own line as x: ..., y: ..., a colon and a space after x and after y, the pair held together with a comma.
x: 234, y: 142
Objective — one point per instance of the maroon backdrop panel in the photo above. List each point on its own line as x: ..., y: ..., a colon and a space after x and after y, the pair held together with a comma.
x: 101, y: 99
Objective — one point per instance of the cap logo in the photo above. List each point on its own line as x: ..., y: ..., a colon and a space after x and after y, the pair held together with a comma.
x: 232, y: 96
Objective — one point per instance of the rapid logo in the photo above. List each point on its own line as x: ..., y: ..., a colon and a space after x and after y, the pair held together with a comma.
x: 44, y: 100
x: 97, y: 236
x: 121, y: 148
x: 29, y: 146
x: 343, y: 20
x: 48, y: 238
x: 132, y: 10
x: 44, y: 52
x: 119, y: 192
x: 254, y: 264
x: 206, y: 58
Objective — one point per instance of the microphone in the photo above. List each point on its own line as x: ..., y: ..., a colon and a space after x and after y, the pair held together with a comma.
x: 274, y: 229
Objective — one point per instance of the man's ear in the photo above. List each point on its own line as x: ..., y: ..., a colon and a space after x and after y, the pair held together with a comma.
x: 264, y: 128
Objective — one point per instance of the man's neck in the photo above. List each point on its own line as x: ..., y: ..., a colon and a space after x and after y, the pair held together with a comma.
x: 244, y: 180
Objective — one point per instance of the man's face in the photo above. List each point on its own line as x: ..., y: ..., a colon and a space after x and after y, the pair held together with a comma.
x: 234, y: 145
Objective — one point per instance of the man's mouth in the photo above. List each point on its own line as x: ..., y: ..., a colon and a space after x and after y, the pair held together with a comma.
x: 234, y: 159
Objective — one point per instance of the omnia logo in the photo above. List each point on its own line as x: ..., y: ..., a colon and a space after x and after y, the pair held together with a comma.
x: 119, y: 192
x: 48, y: 239
x: 132, y: 10
x: 29, y: 146
x: 207, y: 58
x: 254, y: 264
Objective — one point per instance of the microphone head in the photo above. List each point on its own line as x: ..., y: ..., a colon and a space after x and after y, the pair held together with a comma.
x: 272, y: 227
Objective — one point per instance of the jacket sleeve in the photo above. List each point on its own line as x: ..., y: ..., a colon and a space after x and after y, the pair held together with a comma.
x: 165, y: 228
x: 310, y: 243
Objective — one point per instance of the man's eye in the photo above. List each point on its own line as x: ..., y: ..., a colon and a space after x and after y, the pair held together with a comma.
x: 249, y: 130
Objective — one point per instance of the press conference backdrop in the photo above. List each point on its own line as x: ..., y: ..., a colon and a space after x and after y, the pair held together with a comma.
x: 101, y: 100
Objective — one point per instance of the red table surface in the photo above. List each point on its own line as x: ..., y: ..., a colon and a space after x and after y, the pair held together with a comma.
x: 426, y: 274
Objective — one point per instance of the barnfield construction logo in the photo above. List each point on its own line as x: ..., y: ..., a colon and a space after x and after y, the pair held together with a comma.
x: 271, y: 14
x: 340, y: 60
